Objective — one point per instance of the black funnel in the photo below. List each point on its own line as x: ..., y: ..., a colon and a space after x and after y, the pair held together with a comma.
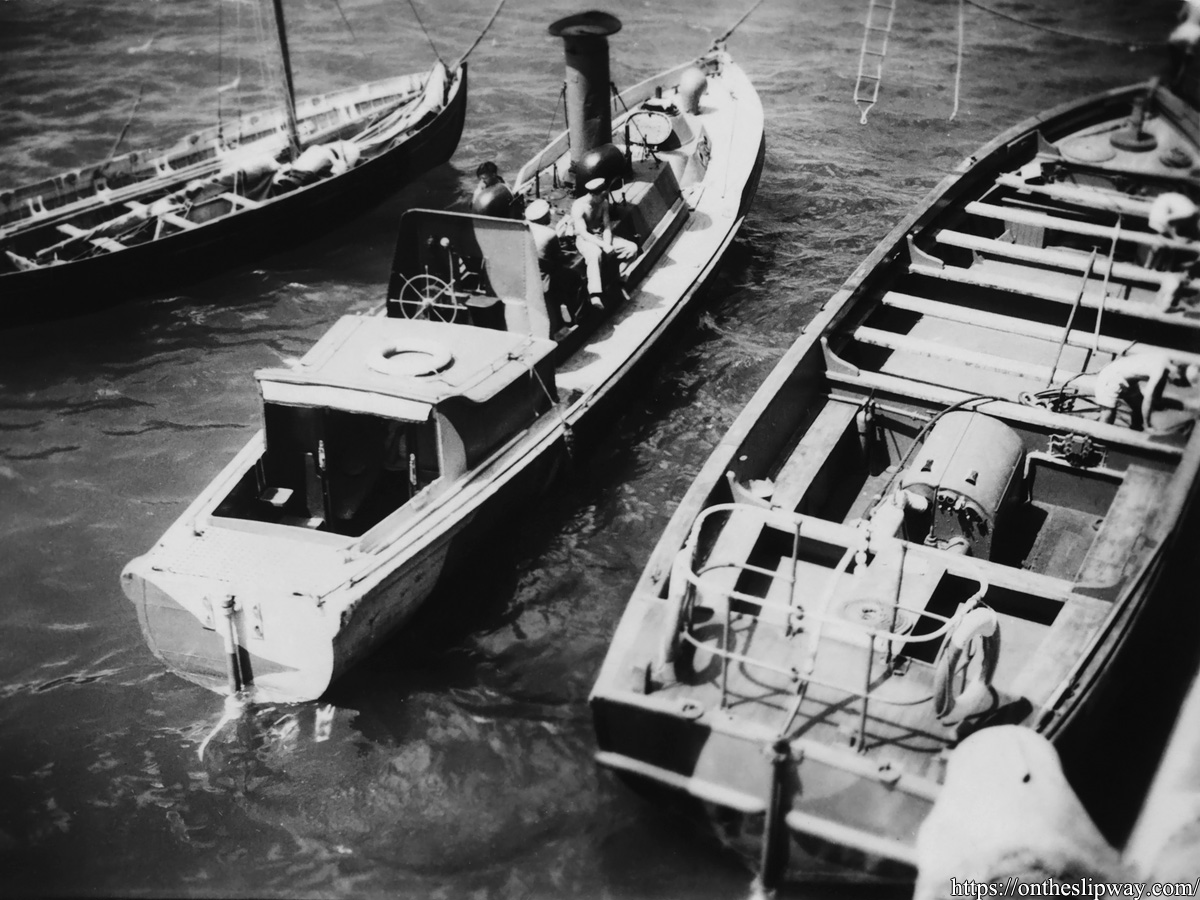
x: 589, y: 104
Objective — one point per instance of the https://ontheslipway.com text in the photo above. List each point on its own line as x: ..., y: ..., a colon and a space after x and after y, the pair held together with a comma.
x: 1085, y: 887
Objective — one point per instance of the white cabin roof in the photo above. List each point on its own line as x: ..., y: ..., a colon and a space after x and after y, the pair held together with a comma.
x: 402, y: 368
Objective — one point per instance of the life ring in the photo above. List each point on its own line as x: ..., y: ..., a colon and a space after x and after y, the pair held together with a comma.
x: 979, y: 624
x: 411, y: 357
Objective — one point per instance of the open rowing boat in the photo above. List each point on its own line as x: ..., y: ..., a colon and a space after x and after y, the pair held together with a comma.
x: 147, y: 220
x: 399, y: 439
x: 923, y: 522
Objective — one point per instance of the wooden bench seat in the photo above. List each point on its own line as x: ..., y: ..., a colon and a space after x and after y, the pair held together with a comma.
x: 1028, y: 287
x: 736, y: 541
x: 239, y: 201
x: 1085, y: 196
x: 1024, y: 327
x: 1034, y: 372
x: 1046, y: 256
x: 112, y: 245
x: 178, y: 221
x: 941, y: 395
x: 1037, y: 219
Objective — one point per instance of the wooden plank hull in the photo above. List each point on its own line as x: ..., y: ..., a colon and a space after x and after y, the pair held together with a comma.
x: 84, y: 285
x: 785, y: 657
x: 308, y: 603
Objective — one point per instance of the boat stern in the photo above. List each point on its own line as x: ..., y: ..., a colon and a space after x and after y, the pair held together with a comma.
x: 848, y: 816
x: 221, y: 638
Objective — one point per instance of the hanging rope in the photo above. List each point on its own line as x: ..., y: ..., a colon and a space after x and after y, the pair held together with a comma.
x: 723, y: 38
x: 562, y: 99
x: 495, y: 13
x: 129, y: 121
x: 417, y: 16
x: 1095, y: 38
x: 958, y: 68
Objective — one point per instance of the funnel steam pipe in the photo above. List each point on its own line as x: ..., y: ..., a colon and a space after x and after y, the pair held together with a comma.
x: 589, y: 105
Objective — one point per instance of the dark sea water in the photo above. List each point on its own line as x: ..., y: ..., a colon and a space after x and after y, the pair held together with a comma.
x: 458, y: 762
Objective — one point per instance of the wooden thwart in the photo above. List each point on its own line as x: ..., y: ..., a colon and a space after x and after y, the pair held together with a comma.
x: 1072, y: 226
x: 1028, y: 287
x: 878, y: 337
x: 1046, y: 256
x: 1024, y: 327
x: 1090, y: 198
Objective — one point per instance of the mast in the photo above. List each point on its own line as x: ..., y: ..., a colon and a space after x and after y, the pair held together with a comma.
x: 289, y: 86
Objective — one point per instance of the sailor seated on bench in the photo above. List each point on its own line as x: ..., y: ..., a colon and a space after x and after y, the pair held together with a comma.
x: 1139, y: 379
x: 594, y: 238
x: 550, y: 262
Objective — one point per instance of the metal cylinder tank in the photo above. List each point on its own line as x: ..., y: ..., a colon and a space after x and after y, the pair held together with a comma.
x: 589, y: 103
x: 969, y: 470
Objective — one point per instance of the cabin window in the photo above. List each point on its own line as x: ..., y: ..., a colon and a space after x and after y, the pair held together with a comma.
x: 335, y: 471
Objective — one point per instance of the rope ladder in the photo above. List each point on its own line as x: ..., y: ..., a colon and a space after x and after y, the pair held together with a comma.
x: 874, y: 49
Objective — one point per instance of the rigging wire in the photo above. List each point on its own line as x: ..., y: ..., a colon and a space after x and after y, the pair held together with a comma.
x: 129, y: 121
x: 144, y: 48
x: 1096, y: 38
x: 744, y: 17
x: 220, y: 65
x: 495, y: 13
x: 350, y: 28
x: 561, y: 101
x: 962, y: 6
x: 417, y: 16
x: 266, y: 39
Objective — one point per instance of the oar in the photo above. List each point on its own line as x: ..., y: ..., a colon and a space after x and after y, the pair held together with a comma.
x: 1087, y: 273
x: 1112, y: 254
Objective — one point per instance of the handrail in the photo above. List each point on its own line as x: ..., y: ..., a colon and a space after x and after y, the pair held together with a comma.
x: 855, y: 541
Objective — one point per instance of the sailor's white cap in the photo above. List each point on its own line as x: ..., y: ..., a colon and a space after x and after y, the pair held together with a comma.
x: 596, y: 184
x: 537, y: 211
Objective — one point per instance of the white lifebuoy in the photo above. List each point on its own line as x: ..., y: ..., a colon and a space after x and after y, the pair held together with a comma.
x: 979, y: 624
x: 411, y: 357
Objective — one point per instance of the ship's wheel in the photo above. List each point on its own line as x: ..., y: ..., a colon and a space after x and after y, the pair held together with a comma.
x: 426, y: 296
